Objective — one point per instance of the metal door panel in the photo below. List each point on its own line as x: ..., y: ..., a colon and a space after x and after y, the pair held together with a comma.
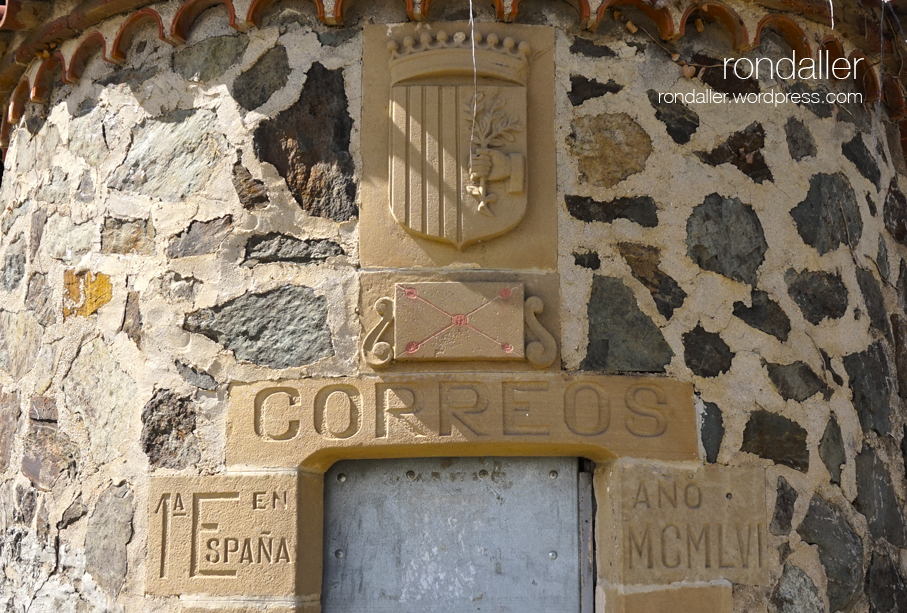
x: 452, y: 535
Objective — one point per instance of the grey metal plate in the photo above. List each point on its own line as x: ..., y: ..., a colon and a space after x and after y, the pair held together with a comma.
x: 440, y: 535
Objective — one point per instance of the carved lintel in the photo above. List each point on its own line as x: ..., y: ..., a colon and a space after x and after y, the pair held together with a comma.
x: 375, y: 352
x: 539, y: 353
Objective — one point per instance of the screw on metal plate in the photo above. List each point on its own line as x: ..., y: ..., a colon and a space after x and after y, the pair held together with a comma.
x: 553, y: 474
x: 338, y: 554
x: 483, y: 474
x: 341, y: 477
x: 410, y: 475
x: 552, y: 555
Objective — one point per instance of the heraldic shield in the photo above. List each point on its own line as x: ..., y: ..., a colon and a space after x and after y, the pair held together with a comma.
x: 458, y: 136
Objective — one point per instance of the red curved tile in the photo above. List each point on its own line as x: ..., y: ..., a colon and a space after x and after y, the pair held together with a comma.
x: 661, y: 17
x: 867, y: 79
x: 790, y: 30
x: 124, y: 37
x: 189, y: 12
x: 13, y: 17
x: 727, y: 16
x: 44, y: 78
x: 86, y: 49
x: 18, y: 99
x: 834, y: 48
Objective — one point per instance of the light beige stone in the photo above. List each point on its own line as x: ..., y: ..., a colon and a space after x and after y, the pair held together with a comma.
x: 698, y: 599
x: 471, y: 178
x: 438, y: 321
x: 223, y: 535
x: 457, y: 321
x: 315, y: 422
x: 665, y: 524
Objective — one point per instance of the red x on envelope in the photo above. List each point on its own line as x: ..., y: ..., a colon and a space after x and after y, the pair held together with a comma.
x: 458, y: 321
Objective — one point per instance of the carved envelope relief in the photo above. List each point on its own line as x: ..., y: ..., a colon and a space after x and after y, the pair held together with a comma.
x: 458, y: 151
x: 449, y: 321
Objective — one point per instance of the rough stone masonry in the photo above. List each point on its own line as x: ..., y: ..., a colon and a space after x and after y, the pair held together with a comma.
x: 181, y: 213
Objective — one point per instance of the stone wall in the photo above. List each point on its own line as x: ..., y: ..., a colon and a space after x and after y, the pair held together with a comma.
x: 188, y: 220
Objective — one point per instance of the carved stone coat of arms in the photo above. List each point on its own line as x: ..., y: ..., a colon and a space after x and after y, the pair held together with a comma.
x: 458, y: 137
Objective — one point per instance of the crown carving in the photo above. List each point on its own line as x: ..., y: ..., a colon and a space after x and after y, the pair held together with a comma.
x: 443, y: 55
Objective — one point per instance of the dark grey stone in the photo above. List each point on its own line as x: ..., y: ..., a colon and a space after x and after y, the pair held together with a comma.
x: 85, y: 192
x: 196, y: 377
x: 885, y: 585
x: 335, y: 37
x: 133, y: 77
x: 109, y: 531
x: 644, y: 263
x: 776, y: 438
x: 829, y: 368
x: 784, y: 508
x: 200, y: 237
x: 725, y: 236
x: 275, y: 247
x: 171, y: 157
x: 9, y: 423
x: 899, y: 329
x: 39, y: 298
x: 855, y: 150
x: 795, y: 593
x: 744, y: 150
x: 875, y: 304
x: 840, y: 550
x: 49, y: 453
x: 638, y: 209
x: 26, y: 504
x: 876, y: 499
x: 719, y: 81
x: 705, y: 353
x: 168, y: 431
x: 281, y: 328
x: 800, y: 142
x: 36, y: 232
x: 267, y: 76
x: 42, y: 408
x: 712, y: 431
x: 829, y: 216
x: 252, y: 193
x: 127, y: 236
x: 73, y: 513
x: 820, y: 295
x: 583, y: 88
x: 209, y: 58
x: 764, y: 314
x: 13, y: 265
x: 831, y: 450
x: 680, y: 120
x: 902, y: 286
x: 309, y: 145
x: 584, y: 46
x: 870, y: 382
x: 621, y: 336
x: 895, y: 213
x: 132, y: 319
x: 588, y: 260
x: 797, y: 381
x: 882, y: 259
x: 871, y: 204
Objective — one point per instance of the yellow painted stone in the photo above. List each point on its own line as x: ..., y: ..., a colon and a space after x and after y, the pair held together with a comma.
x: 85, y: 293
